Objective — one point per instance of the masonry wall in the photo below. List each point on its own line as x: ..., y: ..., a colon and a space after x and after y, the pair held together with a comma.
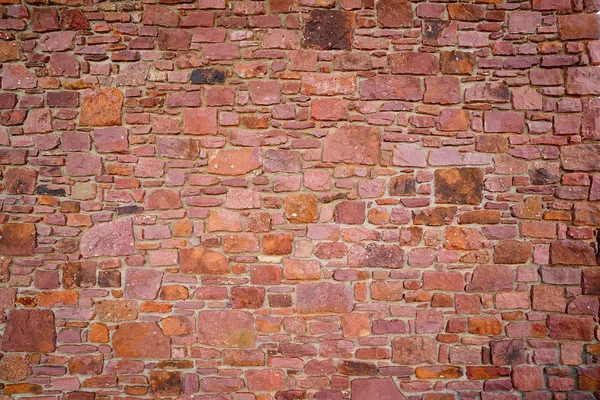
x: 292, y: 199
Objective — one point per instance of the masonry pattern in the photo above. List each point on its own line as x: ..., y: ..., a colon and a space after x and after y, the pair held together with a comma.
x: 292, y: 199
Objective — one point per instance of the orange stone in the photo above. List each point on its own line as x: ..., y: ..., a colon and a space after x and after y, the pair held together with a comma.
x: 485, y: 325
x: 199, y: 260
x: 17, y: 239
x: 301, y: 208
x: 141, y: 340
x: 101, y: 107
x: 98, y: 333
x: 234, y: 161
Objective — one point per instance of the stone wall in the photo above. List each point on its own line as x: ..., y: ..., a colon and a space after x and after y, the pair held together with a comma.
x: 291, y: 199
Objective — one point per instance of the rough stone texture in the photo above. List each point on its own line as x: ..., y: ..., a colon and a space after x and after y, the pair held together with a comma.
x: 299, y: 199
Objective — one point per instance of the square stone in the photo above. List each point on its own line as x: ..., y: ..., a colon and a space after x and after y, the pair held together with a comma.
x: 458, y: 186
x: 329, y: 30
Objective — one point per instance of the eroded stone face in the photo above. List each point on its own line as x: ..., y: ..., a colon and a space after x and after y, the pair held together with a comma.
x: 30, y: 331
x: 328, y: 30
x: 458, y: 186
x: 394, y: 13
x: 140, y: 340
x: 101, y: 107
x: 352, y: 144
x: 17, y: 239
x: 226, y: 328
x: 108, y: 239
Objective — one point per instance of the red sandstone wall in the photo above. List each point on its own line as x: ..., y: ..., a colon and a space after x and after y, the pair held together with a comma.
x: 293, y: 199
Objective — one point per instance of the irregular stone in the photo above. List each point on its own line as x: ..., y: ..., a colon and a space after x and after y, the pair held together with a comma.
x: 301, y: 269
x: 413, y: 350
x: 552, y: 5
x: 166, y: 383
x: 435, y: 216
x: 452, y: 119
x: 375, y: 389
x: 456, y: 62
x: 328, y: 30
x: 387, y: 87
x: 44, y: 19
x: 116, y: 310
x: 181, y: 148
x: 38, y: 121
x: 395, y: 14
x: 73, y: 19
x: 487, y: 92
x: 17, y: 239
x: 199, y: 260
x: 14, y: 367
x: 134, y: 74
x: 282, y: 161
x: 159, y: 15
x: 207, y: 76
x: 108, y: 239
x: 277, y: 243
x: 301, y: 208
x: 512, y: 252
x: 84, y: 164
x: 439, y: 33
x: 323, y: 297
x: 327, y: 84
x: 442, y: 90
x: 466, y: 12
x: 528, y: 378
x: 485, y: 325
x: 9, y: 51
x: 16, y: 76
x: 62, y: 64
x: 491, y: 278
x: 402, y: 185
x: 577, y: 27
x: 352, y: 144
x: 140, y: 340
x: 590, y: 125
x: 265, y: 380
x: 376, y: 256
x: 572, y: 252
x: 571, y: 327
x: 458, y: 186
x: 504, y: 122
x: 20, y: 181
x: 350, y: 212
x: 327, y: 109
x: 29, y: 330
x: 163, y: 199
x: 101, y: 107
x: 413, y: 63
x: 523, y: 21
x: 234, y: 161
x: 57, y: 41
x: 142, y: 283
x: 200, y: 121
x: 86, y: 365
x: 173, y: 39
x: 229, y: 328
x: 78, y: 274
x: 508, y: 352
x: 111, y: 140
x: 583, y: 81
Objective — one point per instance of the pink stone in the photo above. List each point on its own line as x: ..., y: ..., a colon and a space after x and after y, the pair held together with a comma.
x: 383, y: 87
x: 526, y: 98
x: 408, y: 155
x: 375, y: 389
x: 44, y: 19
x: 228, y: 328
x: 413, y: 63
x: 583, y: 81
x: 108, y: 239
x: 504, y: 122
x: 62, y: 64
x: 57, y: 41
x: 111, y: 140
x: 523, y: 21
x: 142, y: 283
x: 163, y: 199
x: 352, y: 144
x: 134, y: 74
x: 79, y: 164
x: 16, y: 76
x: 324, y: 297
x: 200, y: 121
x: 242, y: 199
x: 265, y: 92
x: 38, y: 121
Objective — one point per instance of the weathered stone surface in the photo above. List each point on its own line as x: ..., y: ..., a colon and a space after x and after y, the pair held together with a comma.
x: 328, y: 30
x: 583, y: 26
x: 9, y: 51
x: 166, y: 383
x: 207, y: 76
x: 376, y: 256
x: 571, y: 327
x: 29, y: 331
x: 492, y: 92
x: 101, y: 107
x: 583, y: 157
x: 456, y: 62
x: 141, y: 283
x: 571, y: 252
x: 234, y: 161
x: 413, y: 350
x: 301, y: 208
x: 17, y: 239
x: 384, y: 87
x: 324, y: 297
x: 375, y: 389
x: 458, y: 186
x: 16, y: 76
x: 352, y: 144
x: 491, y: 278
x: 14, y: 367
x: 394, y: 14
x: 583, y: 81
x: 111, y: 140
x: 21, y: 180
x: 140, y: 340
x: 199, y: 260
x: 413, y: 63
x: 108, y: 239
x: 163, y: 199
x: 226, y: 328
